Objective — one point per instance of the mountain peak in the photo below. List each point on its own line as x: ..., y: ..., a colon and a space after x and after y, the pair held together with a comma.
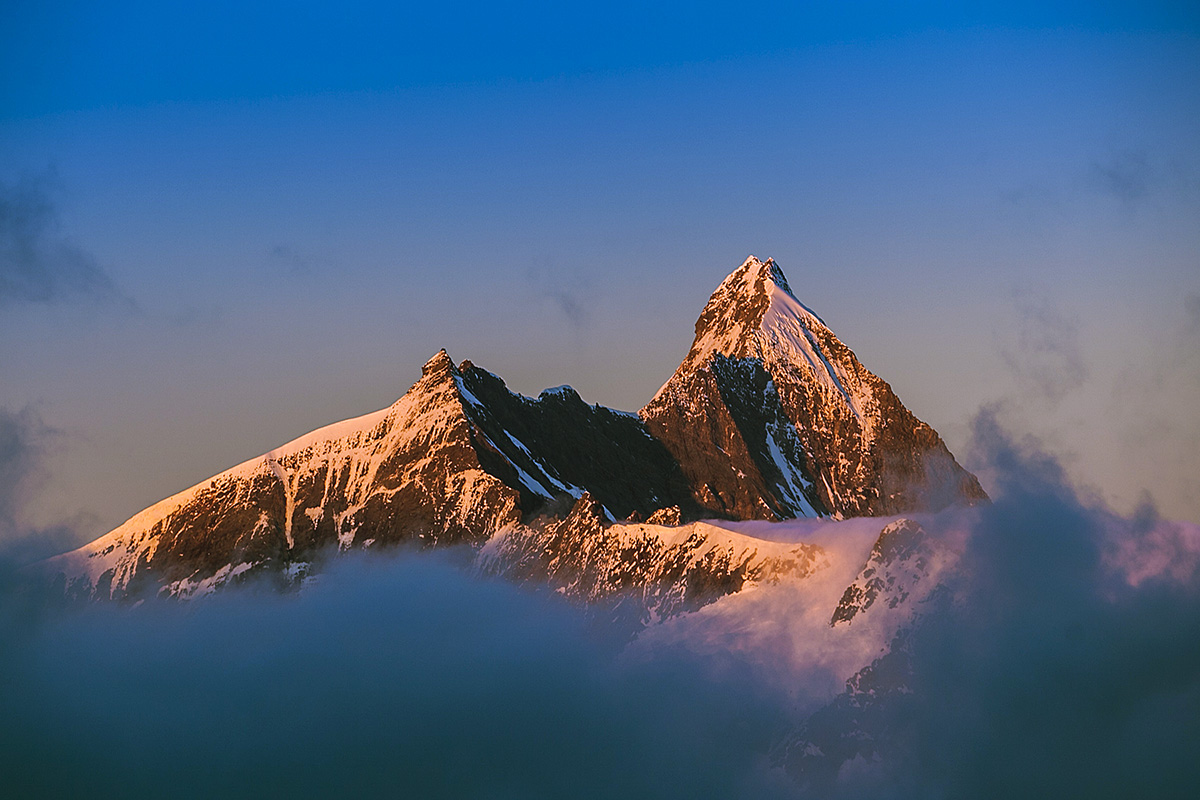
x: 756, y: 276
x: 440, y: 364
x: 799, y: 418
x: 733, y: 321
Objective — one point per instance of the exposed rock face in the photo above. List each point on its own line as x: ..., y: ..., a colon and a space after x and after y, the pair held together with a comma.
x: 453, y: 461
x: 672, y: 515
x: 643, y: 572
x: 768, y: 417
x: 725, y: 424
x: 902, y: 558
x: 558, y: 444
x: 771, y: 416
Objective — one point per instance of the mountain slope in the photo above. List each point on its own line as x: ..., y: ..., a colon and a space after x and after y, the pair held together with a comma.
x: 407, y: 472
x: 897, y: 571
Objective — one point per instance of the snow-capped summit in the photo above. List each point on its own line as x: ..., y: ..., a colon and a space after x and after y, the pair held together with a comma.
x: 754, y: 314
x: 738, y: 310
x: 772, y: 416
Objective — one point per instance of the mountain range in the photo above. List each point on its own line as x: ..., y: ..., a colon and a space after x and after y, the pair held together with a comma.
x: 769, y: 417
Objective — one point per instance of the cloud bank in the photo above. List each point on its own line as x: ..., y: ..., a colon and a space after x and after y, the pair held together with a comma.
x: 1062, y: 659
x: 391, y: 676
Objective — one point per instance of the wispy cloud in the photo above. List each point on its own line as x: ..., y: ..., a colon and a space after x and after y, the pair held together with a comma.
x: 1047, y: 358
x: 286, y: 256
x: 1137, y: 176
x: 1154, y: 399
x: 39, y: 263
x: 22, y: 443
x: 570, y: 293
x: 25, y: 442
x: 1126, y: 175
x: 1191, y: 308
x: 572, y: 306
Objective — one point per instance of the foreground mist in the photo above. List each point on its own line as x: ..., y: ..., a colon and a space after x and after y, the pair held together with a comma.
x: 1061, y: 658
x: 389, y: 675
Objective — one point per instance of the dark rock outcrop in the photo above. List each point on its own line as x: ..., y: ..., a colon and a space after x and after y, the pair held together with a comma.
x: 859, y: 726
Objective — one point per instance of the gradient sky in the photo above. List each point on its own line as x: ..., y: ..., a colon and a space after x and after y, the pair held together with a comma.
x: 225, y: 226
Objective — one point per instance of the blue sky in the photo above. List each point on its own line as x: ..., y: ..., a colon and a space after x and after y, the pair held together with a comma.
x: 77, y: 55
x: 226, y: 226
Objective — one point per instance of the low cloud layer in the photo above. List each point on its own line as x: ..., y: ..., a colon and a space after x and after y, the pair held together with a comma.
x: 399, y: 676
x: 1063, y: 661
x: 39, y: 264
